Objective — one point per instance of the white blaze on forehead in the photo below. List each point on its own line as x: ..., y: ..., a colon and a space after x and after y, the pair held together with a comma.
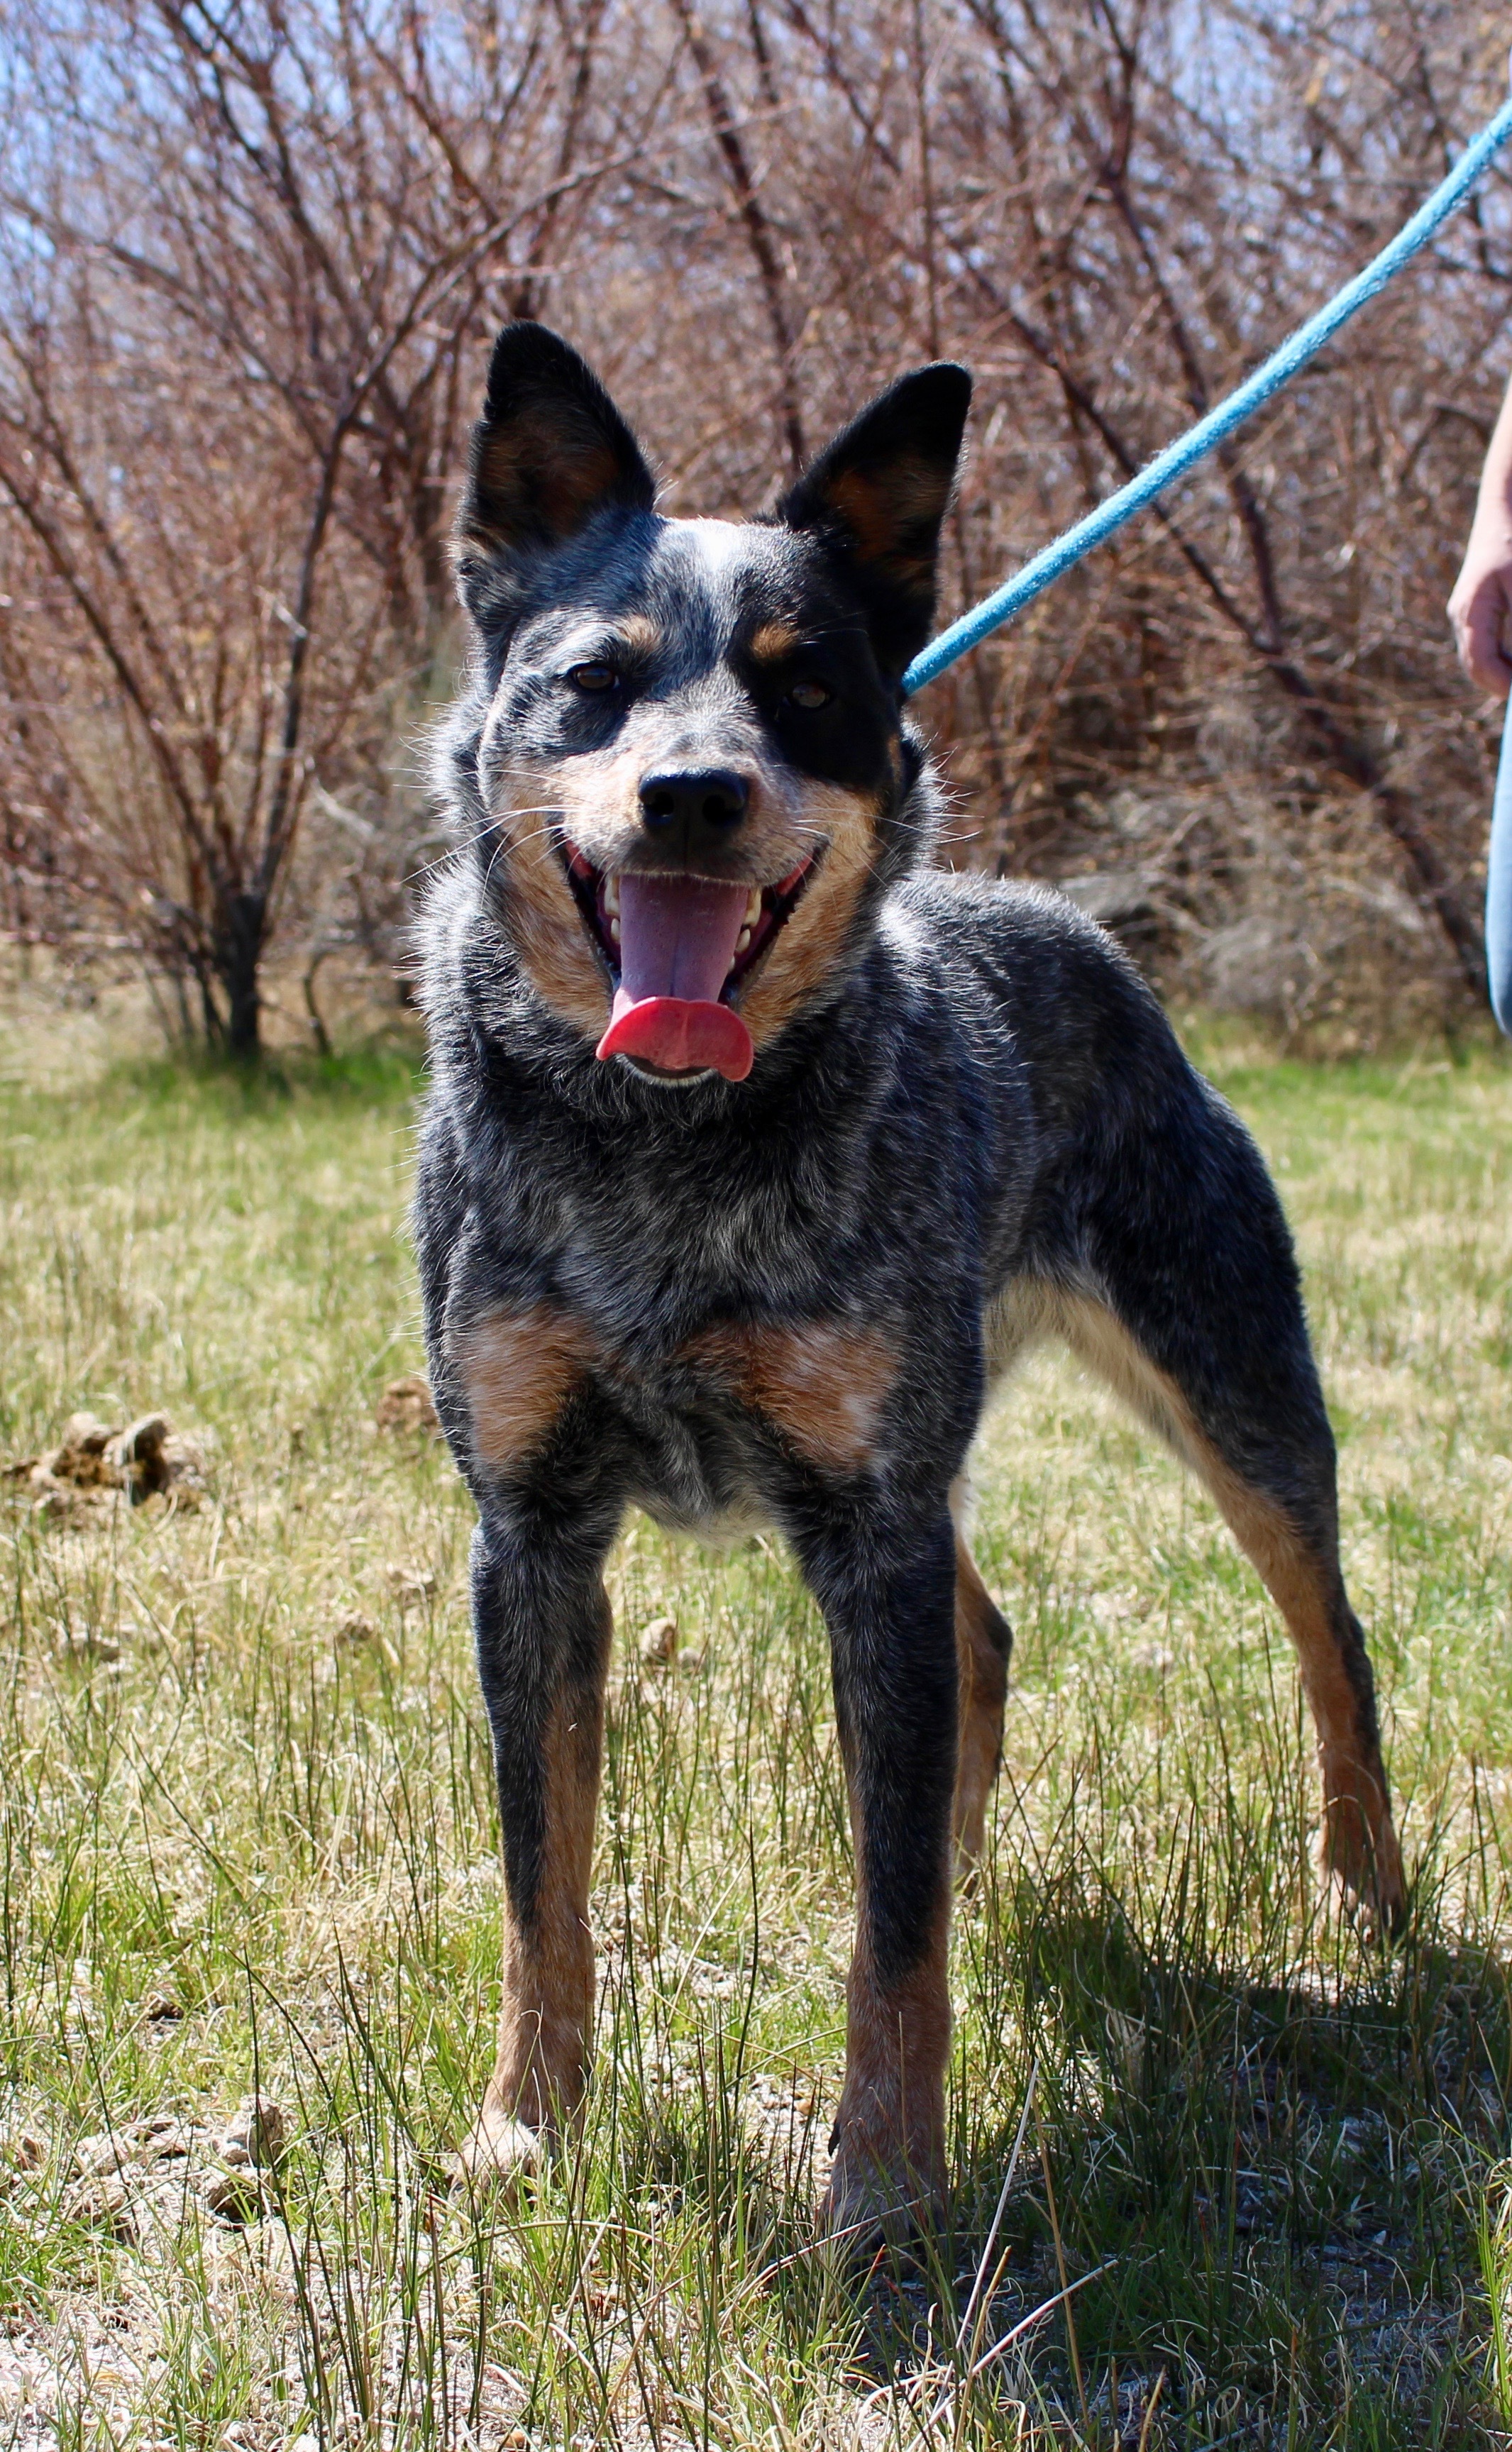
x: 718, y: 542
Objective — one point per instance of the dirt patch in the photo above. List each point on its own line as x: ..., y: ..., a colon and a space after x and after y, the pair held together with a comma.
x: 406, y: 1405
x: 97, y: 1468
x: 125, y: 2180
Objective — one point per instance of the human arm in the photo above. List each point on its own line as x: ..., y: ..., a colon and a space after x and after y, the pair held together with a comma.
x: 1481, y: 601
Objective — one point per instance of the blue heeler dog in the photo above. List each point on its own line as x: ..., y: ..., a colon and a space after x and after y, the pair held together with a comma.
x: 757, y: 1150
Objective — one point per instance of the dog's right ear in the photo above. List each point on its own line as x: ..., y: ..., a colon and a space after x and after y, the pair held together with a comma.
x: 549, y: 453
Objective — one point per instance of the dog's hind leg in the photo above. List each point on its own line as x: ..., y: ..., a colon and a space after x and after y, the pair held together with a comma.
x: 984, y: 1643
x: 1197, y: 1322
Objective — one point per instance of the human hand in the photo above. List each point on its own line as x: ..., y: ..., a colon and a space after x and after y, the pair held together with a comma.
x: 1480, y: 608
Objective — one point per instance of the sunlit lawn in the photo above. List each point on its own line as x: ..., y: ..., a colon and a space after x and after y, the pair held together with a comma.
x: 248, y: 1842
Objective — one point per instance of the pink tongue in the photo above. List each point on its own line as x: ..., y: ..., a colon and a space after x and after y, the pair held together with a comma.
x: 677, y: 944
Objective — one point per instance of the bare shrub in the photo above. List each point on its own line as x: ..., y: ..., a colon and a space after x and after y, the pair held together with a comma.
x: 239, y: 284
x: 251, y: 264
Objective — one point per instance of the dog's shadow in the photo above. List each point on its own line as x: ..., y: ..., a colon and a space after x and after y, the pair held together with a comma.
x: 1274, y: 2190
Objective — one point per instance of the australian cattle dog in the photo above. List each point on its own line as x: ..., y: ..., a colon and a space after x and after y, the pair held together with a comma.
x: 756, y: 1151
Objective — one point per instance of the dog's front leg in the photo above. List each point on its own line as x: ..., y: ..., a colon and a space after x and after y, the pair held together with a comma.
x: 888, y: 1598
x: 542, y: 1623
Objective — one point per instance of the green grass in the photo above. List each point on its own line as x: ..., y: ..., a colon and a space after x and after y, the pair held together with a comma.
x: 1283, y: 2157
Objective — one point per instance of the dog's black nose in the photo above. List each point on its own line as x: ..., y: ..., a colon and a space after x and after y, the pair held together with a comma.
x: 693, y: 810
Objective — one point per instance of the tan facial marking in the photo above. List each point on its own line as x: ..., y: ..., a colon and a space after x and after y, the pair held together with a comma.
x: 518, y: 1370
x: 879, y: 515
x: 772, y: 641
x: 638, y: 632
x: 545, y: 927
x: 562, y: 482
x: 551, y: 941
x: 822, y: 1388
x: 587, y: 789
x: 802, y: 955
x: 595, y: 801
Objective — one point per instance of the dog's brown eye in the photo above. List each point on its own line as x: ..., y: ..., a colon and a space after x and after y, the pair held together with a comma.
x: 810, y: 696
x: 593, y: 677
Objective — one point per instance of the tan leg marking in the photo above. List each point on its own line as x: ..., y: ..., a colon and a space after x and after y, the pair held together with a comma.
x: 983, y: 1672
x: 889, y: 2156
x: 889, y: 2162
x: 1013, y: 1324
x: 547, y: 2003
x: 518, y: 1370
x: 822, y: 1388
x: 1358, y: 1841
x: 1359, y: 1847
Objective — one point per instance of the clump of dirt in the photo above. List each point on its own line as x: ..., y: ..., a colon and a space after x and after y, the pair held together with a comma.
x: 254, y: 2142
x: 258, y: 2133
x: 356, y: 1632
x: 659, y: 1643
x: 406, y: 1405
x: 125, y: 2179
x: 80, y: 1458
x: 128, y: 2179
x: 98, y: 1467
x: 411, y: 1585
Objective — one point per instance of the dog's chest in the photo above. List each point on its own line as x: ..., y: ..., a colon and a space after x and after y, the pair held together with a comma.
x: 818, y: 1389
x: 695, y: 1416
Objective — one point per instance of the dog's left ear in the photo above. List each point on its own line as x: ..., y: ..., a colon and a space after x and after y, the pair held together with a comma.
x: 878, y: 496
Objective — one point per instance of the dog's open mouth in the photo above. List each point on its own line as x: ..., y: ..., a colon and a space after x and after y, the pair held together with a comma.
x: 680, y: 948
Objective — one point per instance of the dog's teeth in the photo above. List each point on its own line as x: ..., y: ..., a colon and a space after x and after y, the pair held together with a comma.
x: 753, y: 907
x: 743, y: 941
x: 614, y: 931
x: 611, y: 895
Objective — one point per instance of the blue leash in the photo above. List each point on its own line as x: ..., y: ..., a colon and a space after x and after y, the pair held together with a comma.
x: 1178, y: 457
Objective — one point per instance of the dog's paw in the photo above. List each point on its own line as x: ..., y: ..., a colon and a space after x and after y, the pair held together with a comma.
x: 1365, y: 1867
x: 500, y: 2151
x: 872, y: 2203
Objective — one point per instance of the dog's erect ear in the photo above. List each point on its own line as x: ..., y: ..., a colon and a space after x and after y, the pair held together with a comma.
x: 549, y: 451
x: 879, y: 494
